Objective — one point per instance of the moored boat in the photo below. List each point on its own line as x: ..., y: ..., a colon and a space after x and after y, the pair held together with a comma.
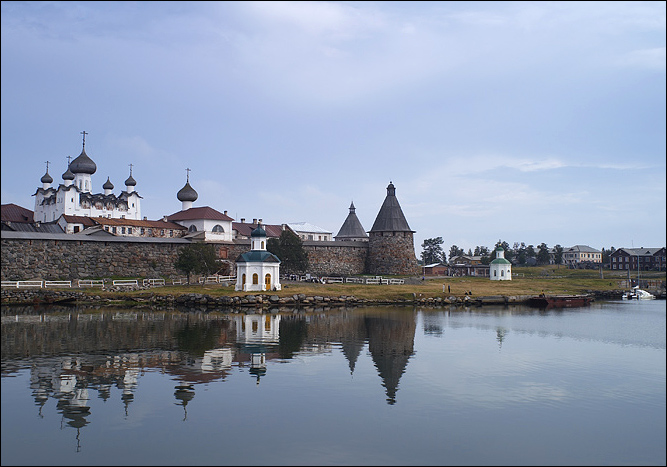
x: 559, y: 301
x: 638, y: 294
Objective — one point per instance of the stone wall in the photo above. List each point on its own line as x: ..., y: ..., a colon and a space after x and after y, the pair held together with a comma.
x: 392, y: 253
x: 58, y: 259
x: 336, y: 258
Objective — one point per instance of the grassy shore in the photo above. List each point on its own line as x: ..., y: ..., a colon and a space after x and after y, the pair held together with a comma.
x: 525, y: 281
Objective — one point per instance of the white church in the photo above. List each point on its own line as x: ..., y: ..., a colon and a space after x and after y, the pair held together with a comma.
x: 75, y: 197
x: 257, y: 270
x: 500, y: 269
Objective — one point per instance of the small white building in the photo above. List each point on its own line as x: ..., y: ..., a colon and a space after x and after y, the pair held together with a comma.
x: 500, y: 269
x: 257, y: 270
x: 310, y: 232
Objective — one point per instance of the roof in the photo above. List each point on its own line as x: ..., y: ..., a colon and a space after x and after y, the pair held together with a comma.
x: 244, y: 229
x: 500, y: 261
x: 15, y: 213
x: 86, y: 221
x: 43, y: 227
x: 639, y: 251
x: 390, y: 218
x: 204, y: 212
x: 257, y: 256
x: 138, y: 223
x: 306, y: 227
x: 92, y: 238
x: 351, y: 228
x: 582, y: 249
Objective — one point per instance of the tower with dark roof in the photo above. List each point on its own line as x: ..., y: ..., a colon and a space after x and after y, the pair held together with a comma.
x: 352, y: 229
x: 391, y: 248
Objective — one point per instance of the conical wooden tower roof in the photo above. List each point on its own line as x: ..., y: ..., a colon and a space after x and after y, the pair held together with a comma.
x: 351, y: 228
x: 391, y: 218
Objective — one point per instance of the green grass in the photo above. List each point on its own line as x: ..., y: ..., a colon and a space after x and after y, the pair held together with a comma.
x: 525, y: 281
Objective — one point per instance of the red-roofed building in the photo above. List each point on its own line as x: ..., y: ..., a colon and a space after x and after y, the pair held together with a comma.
x: 205, y: 223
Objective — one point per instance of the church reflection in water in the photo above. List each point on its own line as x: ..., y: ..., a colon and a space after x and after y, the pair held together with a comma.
x: 74, y: 356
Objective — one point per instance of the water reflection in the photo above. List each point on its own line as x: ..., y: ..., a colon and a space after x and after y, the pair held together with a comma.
x: 74, y: 354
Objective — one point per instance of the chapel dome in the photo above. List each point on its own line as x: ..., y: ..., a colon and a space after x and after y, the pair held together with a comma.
x: 108, y: 185
x: 258, y: 232
x: 83, y: 164
x: 187, y: 193
x: 130, y: 181
x: 46, y: 178
x: 68, y: 175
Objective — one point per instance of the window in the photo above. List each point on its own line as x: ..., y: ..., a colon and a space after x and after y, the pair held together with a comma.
x: 142, y: 231
x: 218, y: 229
x: 255, y: 279
x: 113, y: 229
x: 192, y: 228
x: 262, y: 247
x: 129, y: 230
x: 122, y: 230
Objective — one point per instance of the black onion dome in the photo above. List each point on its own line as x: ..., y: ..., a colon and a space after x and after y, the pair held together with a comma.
x: 108, y: 185
x: 131, y: 181
x: 46, y: 178
x: 68, y: 175
x: 83, y: 164
x: 258, y: 232
x: 187, y: 193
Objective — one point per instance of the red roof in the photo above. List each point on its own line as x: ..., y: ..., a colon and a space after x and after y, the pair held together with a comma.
x: 204, y: 212
x: 14, y: 213
x: 86, y: 221
x: 244, y: 229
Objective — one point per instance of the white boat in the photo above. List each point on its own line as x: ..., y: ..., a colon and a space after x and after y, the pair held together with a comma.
x: 638, y: 294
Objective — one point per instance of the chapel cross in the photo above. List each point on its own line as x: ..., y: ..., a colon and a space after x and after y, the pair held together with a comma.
x: 84, y: 133
x: 47, y: 166
x: 130, y: 170
x: 188, y: 175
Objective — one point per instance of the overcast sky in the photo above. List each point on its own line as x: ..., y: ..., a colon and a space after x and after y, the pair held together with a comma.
x: 521, y: 122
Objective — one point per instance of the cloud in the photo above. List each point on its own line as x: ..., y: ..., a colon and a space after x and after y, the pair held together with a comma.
x: 652, y: 59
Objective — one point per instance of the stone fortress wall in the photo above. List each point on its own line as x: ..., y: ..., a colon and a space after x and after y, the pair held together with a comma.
x: 93, y: 258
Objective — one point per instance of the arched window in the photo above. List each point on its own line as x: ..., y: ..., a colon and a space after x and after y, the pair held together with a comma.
x: 255, y: 279
x: 262, y: 247
x: 192, y: 228
x: 243, y: 279
x: 218, y: 228
x: 495, y: 273
x: 502, y: 273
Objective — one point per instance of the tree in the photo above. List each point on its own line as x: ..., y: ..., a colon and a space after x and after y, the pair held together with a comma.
x: 432, y: 251
x: 558, y: 255
x: 289, y: 250
x: 543, y: 254
x: 198, y: 258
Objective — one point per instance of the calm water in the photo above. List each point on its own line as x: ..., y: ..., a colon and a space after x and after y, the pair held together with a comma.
x: 390, y: 385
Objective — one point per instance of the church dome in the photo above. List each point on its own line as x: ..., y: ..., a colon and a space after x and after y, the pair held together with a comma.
x: 68, y: 175
x: 187, y: 193
x: 46, y: 178
x: 132, y: 182
x: 83, y: 164
x: 108, y: 185
x: 258, y: 232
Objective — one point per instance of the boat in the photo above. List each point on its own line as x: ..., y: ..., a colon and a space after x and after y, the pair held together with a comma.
x: 559, y: 301
x: 638, y: 294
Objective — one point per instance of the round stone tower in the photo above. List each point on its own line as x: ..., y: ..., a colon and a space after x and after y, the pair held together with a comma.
x: 391, y: 248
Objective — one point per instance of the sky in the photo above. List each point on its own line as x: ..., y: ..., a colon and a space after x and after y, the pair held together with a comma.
x: 533, y: 122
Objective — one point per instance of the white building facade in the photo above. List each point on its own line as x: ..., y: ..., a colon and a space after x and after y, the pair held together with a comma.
x: 500, y: 269
x: 74, y: 196
x: 257, y: 270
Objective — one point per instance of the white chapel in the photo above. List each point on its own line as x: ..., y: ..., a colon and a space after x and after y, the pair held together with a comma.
x: 257, y: 270
x: 500, y: 269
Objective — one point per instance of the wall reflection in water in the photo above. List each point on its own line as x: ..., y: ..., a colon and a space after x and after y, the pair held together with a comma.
x: 74, y: 355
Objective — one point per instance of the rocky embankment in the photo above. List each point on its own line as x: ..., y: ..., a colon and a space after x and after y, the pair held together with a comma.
x: 273, y: 302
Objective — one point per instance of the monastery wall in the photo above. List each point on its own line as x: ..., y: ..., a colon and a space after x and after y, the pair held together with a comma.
x: 92, y: 258
x: 392, y: 253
